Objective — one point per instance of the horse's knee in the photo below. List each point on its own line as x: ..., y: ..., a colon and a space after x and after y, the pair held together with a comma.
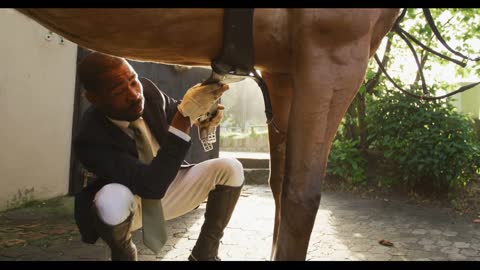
x: 305, y: 200
x: 114, y: 203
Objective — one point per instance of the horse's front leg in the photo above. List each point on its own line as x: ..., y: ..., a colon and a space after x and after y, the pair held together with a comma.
x: 325, y: 82
x: 280, y: 90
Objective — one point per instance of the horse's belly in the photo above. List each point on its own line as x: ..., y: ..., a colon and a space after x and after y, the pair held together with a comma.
x: 336, y: 26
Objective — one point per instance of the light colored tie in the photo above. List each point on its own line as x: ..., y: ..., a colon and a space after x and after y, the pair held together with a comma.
x: 153, y: 220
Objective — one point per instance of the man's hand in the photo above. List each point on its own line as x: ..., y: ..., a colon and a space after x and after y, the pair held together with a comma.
x: 198, y: 100
x: 215, y: 121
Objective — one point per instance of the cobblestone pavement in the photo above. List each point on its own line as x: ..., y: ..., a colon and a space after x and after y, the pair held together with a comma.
x: 346, y: 228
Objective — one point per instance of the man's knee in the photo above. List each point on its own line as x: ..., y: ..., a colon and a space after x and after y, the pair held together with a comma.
x: 231, y: 172
x: 114, y: 203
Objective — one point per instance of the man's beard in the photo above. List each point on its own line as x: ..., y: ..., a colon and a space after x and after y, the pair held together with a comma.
x: 127, y: 115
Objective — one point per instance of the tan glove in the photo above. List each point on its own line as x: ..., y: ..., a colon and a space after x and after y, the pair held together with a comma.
x: 218, y: 117
x: 214, y: 121
x: 198, y: 100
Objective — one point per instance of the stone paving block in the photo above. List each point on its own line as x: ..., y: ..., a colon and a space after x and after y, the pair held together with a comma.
x: 476, y: 246
x: 390, y: 230
x: 3, y: 258
x: 431, y: 247
x: 255, y: 254
x: 358, y: 256
x: 425, y: 241
x: 173, y: 230
x: 398, y: 258
x: 13, y: 242
x: 469, y: 252
x: 180, y: 235
x: 439, y: 258
x: 359, y: 235
x: 450, y: 233
x: 361, y: 248
x: 414, y: 246
x: 379, y: 257
x: 90, y: 253
x: 444, y: 243
x: 185, y: 243
x: 397, y: 251
x: 163, y: 252
x: 450, y: 250
x: 343, y: 255
x: 461, y: 245
x: 144, y: 257
x: 419, y: 231
x: 174, y: 254
x: 340, y: 247
x: 435, y: 232
x: 237, y: 253
x: 410, y: 240
x: 400, y: 244
x: 456, y: 257
x: 19, y: 252
x: 144, y: 251
x: 379, y: 249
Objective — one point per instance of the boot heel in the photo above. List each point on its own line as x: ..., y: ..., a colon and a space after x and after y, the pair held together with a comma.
x: 118, y: 239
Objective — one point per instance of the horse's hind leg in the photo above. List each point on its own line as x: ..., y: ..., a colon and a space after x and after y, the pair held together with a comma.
x: 280, y: 90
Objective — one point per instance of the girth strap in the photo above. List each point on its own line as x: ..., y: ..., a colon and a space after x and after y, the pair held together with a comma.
x: 237, y: 58
x: 237, y: 55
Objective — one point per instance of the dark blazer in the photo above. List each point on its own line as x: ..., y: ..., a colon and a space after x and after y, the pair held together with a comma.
x: 105, y: 150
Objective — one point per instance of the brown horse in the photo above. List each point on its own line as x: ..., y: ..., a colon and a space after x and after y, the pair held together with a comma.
x: 313, y: 61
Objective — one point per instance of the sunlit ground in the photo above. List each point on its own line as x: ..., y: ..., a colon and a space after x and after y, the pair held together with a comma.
x: 346, y: 229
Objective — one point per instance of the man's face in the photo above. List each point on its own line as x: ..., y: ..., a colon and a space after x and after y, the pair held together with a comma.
x: 121, y: 94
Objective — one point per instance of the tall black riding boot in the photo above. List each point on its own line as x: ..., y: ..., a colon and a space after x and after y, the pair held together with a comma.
x: 118, y: 238
x: 220, y: 204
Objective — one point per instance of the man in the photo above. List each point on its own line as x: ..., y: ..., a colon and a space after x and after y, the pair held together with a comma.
x: 107, y: 144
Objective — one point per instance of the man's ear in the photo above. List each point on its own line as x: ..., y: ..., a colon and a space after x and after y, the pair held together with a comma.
x: 92, y: 97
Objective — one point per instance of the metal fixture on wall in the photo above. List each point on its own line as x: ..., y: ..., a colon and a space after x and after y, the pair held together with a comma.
x: 49, y: 36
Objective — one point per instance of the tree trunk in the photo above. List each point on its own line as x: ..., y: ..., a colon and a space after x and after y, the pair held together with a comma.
x: 361, y: 99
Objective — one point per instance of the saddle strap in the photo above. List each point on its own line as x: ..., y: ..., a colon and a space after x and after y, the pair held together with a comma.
x: 237, y: 55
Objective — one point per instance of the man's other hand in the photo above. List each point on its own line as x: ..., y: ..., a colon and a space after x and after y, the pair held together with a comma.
x: 198, y: 100
x: 215, y: 121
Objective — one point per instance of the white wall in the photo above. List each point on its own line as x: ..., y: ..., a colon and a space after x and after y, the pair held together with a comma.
x: 37, y: 83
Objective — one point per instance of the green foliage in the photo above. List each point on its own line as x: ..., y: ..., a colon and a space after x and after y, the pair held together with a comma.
x: 424, y: 144
x: 346, y: 162
x: 434, y: 146
x: 460, y: 27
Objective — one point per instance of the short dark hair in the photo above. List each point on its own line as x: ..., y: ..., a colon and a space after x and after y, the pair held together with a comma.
x: 93, y: 66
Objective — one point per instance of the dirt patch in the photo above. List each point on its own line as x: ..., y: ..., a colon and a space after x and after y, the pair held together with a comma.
x: 382, y: 174
x: 468, y: 200
x: 39, y: 224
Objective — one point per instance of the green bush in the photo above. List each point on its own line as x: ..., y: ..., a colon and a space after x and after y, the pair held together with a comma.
x: 435, y: 146
x: 346, y: 162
